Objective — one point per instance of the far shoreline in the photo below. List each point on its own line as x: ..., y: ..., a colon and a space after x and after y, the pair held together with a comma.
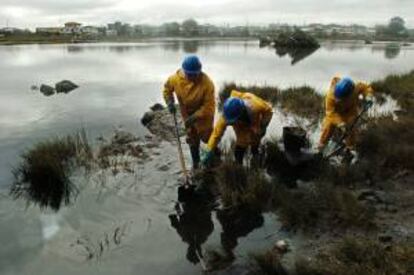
x: 70, y: 41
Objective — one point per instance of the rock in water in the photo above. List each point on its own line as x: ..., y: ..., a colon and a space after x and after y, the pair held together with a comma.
x: 47, y: 90
x: 157, y: 107
x: 65, y: 86
x: 160, y: 123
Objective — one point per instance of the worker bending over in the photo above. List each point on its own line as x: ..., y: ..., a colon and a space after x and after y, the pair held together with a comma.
x: 249, y: 115
x: 342, y: 105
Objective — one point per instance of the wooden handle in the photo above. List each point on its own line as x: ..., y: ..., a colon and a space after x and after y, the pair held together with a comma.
x: 180, y: 151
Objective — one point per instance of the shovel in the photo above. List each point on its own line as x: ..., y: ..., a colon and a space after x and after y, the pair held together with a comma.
x: 341, y: 142
x: 186, y: 190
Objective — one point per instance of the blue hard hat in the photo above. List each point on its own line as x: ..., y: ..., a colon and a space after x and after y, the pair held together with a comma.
x: 344, y: 88
x: 233, y: 109
x: 191, y: 65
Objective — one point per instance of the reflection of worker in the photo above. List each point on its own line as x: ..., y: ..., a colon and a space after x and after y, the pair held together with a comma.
x: 342, y: 106
x: 194, y: 225
x: 249, y: 115
x: 237, y: 223
x: 195, y: 94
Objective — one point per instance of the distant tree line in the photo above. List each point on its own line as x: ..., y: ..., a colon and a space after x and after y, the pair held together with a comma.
x: 395, y: 28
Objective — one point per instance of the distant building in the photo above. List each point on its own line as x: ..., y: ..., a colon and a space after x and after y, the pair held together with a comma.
x: 72, y: 28
x: 111, y: 33
x: 53, y: 30
x: 9, y: 30
x: 90, y: 30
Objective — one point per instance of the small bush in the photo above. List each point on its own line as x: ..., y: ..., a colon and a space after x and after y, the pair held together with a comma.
x: 303, y: 101
x: 360, y: 256
x: 321, y: 205
x: 389, y: 145
x: 239, y: 186
x: 269, y: 263
x: 400, y: 87
x: 43, y: 175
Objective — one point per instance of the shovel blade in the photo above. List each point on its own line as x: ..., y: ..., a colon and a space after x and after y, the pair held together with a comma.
x: 186, y: 193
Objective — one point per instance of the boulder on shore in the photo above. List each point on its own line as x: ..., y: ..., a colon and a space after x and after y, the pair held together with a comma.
x: 47, y: 90
x: 160, y: 122
x: 65, y: 86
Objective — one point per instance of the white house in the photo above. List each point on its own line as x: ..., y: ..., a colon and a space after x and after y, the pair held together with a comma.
x: 72, y: 28
x: 90, y: 30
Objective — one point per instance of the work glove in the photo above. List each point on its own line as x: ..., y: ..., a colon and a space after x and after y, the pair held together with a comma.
x: 171, y: 108
x: 342, y: 127
x: 189, y: 122
x: 368, y: 102
x: 207, y: 157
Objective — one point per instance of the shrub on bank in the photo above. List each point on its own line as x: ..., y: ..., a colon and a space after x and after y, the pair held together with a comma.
x: 359, y: 256
x: 43, y: 176
x: 400, y: 87
x: 303, y: 101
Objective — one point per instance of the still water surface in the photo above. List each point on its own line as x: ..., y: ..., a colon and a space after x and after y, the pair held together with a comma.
x: 118, y: 82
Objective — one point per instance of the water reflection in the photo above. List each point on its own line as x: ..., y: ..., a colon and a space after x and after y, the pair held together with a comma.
x: 340, y: 45
x: 191, y: 46
x: 392, y: 51
x: 194, y: 224
x: 187, y: 46
x: 173, y: 46
x: 237, y: 223
x: 296, y: 54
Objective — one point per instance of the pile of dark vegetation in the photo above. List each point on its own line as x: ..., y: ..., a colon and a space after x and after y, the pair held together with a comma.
x: 43, y: 176
x: 321, y: 205
x: 360, y: 256
x: 303, y: 101
x: 351, y: 255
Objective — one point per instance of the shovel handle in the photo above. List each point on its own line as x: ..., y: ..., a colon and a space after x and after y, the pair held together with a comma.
x: 180, y: 152
x: 345, y: 135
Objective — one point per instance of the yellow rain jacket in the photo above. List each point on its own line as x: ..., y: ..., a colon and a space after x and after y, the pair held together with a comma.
x: 194, y: 98
x: 260, y: 113
x: 342, y: 111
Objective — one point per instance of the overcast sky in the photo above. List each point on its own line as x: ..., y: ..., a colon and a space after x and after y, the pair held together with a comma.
x: 32, y: 13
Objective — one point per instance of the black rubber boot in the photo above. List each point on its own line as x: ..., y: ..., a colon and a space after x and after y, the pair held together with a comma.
x: 256, y: 157
x: 239, y: 153
x: 195, y: 155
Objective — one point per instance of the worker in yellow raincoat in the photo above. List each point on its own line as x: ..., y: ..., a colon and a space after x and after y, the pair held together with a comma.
x: 195, y: 93
x: 249, y: 115
x: 342, y: 104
